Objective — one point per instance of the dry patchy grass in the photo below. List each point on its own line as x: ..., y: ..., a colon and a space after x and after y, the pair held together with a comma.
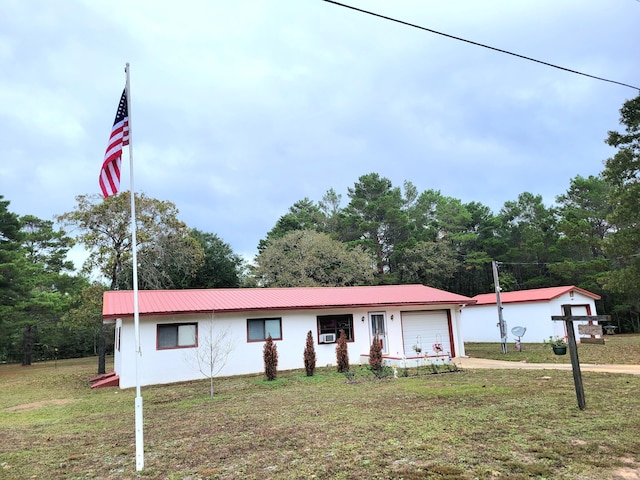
x: 464, y: 425
x: 618, y: 349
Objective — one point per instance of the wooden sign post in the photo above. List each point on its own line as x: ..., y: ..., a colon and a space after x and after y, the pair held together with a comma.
x: 568, y: 320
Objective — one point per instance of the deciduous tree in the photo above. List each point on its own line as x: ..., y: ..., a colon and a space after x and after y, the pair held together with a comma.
x: 215, y: 344
x: 167, y: 254
x: 305, y: 258
x: 82, y: 323
x: 428, y: 263
x: 221, y: 268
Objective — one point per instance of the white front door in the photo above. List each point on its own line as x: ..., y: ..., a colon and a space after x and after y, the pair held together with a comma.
x: 378, y: 326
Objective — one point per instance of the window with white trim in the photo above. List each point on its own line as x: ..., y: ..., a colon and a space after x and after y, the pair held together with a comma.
x: 259, y: 329
x: 177, y: 335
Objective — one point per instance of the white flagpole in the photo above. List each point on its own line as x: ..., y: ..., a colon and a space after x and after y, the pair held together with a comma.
x: 136, y: 314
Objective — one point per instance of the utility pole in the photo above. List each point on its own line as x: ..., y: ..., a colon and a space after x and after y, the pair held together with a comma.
x: 501, y: 323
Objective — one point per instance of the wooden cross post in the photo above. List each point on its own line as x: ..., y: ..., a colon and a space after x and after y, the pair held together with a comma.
x: 573, y: 347
x: 573, y: 352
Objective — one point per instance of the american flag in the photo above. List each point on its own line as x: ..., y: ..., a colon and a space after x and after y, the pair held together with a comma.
x: 110, y: 172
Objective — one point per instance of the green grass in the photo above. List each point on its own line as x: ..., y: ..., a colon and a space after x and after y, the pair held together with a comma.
x: 618, y: 349
x: 461, y: 425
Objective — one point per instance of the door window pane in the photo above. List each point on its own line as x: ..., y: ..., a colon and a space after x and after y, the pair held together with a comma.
x: 377, y: 323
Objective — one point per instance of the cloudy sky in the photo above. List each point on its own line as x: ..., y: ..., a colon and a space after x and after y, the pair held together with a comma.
x: 241, y: 108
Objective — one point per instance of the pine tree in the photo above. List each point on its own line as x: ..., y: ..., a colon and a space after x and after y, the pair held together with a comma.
x: 342, y: 354
x: 309, y: 356
x: 270, y: 353
x: 375, y: 355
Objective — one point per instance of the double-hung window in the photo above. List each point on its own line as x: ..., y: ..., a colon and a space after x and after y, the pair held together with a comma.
x: 177, y: 335
x: 259, y: 329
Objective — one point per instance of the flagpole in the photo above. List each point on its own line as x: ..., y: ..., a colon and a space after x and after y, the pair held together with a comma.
x: 136, y: 313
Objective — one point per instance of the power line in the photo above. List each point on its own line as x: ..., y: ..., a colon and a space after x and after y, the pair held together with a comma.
x: 606, y: 259
x: 480, y: 44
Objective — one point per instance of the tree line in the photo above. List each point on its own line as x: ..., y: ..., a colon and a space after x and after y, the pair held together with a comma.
x: 49, y: 310
x: 379, y: 234
x: 385, y: 234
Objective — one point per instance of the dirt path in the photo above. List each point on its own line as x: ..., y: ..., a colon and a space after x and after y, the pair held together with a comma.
x: 466, y: 362
x: 44, y: 403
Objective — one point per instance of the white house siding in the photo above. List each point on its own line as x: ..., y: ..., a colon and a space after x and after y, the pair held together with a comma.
x: 175, y: 365
x: 480, y: 322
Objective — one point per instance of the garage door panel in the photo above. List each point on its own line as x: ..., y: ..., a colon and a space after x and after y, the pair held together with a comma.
x: 425, y: 328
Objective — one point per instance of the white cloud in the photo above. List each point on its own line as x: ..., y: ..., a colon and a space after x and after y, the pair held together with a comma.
x: 239, y: 109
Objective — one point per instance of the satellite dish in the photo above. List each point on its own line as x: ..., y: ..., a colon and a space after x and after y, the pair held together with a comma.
x: 518, y: 331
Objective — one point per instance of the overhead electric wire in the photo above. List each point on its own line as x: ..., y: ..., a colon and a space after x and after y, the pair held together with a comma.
x: 607, y: 259
x: 480, y: 44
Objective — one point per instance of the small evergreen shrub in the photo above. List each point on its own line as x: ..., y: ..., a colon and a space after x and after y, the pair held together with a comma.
x: 270, y: 354
x: 342, y: 354
x: 309, y: 356
x: 375, y: 356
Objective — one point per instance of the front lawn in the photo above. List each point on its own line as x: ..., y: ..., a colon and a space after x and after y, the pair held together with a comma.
x: 461, y: 425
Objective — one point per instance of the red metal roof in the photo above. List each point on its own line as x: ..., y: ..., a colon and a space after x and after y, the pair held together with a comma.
x: 119, y: 303
x: 533, y: 295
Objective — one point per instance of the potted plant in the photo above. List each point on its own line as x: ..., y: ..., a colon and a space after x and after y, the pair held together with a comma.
x: 559, y: 345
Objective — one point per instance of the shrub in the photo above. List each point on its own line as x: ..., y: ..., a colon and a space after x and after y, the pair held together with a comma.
x: 270, y: 353
x: 342, y: 354
x: 375, y: 356
x: 309, y: 356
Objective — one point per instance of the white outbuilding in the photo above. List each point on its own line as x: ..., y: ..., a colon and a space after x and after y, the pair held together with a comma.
x: 531, y: 309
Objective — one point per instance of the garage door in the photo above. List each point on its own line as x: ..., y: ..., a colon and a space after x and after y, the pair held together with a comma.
x: 425, y: 329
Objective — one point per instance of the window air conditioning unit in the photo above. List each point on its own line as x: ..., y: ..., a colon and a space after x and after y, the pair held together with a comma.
x: 328, y: 338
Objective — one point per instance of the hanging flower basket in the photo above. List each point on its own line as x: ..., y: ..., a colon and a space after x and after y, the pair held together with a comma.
x: 559, y: 345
